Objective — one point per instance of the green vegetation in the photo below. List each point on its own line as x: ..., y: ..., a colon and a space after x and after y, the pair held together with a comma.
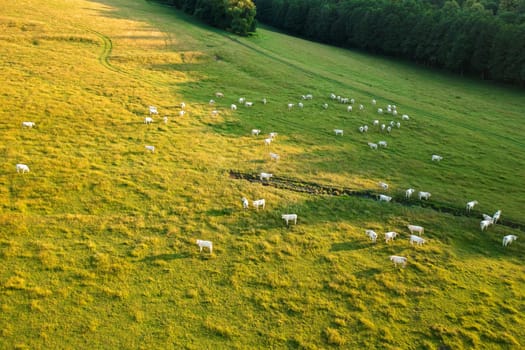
x: 97, y: 241
x: 482, y: 38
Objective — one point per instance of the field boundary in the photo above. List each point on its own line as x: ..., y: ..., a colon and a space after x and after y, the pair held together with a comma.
x: 319, y: 189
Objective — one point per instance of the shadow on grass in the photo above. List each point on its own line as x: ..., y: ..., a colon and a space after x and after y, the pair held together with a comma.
x: 348, y: 246
x: 166, y: 257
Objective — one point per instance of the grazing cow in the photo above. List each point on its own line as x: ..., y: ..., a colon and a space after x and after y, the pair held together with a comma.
x: 405, y: 117
x: 182, y: 105
x: 256, y: 132
x: 382, y: 144
x: 245, y: 203
x: 22, y: 168
x: 416, y: 239
x: 488, y: 217
x: 409, y: 192
x: 424, y: 195
x: 265, y: 176
x: 389, y: 236
x: 380, y: 110
x: 325, y: 105
x: 383, y: 185
x: 361, y: 107
x: 484, y: 224
x: 290, y: 106
x: 242, y: 100
x: 496, y: 216
x: 219, y: 94
x: 436, y: 158
x: 215, y: 113
x: 248, y: 104
x: 372, y: 145
x: 148, y: 120
x: 259, y: 203
x: 272, y: 135
x: 267, y: 141
x: 384, y: 198
x: 416, y: 228
x: 181, y: 113
x: 374, y: 102
x: 274, y: 156
x: 233, y: 107
x: 300, y: 105
x: 205, y: 244
x: 264, y: 101
x: 471, y: 205
x: 509, y: 239
x: 376, y: 122
x: 28, y: 124
x: 153, y: 110
x: 289, y: 217
x: 165, y: 120
x: 150, y: 148
x: 372, y: 235
x: 349, y: 109
x: 398, y: 260
x: 338, y: 132
x: 398, y: 125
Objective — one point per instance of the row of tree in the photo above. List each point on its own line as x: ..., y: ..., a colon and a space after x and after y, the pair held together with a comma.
x: 469, y: 37
x: 236, y: 16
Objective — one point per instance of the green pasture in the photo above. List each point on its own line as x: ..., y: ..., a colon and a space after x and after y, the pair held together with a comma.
x: 97, y: 241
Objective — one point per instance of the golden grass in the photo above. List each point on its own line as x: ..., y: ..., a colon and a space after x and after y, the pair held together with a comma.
x: 97, y: 242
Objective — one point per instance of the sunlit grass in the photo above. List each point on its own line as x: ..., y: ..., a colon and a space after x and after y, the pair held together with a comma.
x: 97, y: 241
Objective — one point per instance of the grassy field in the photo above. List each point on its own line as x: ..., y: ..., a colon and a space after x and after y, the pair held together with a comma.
x: 97, y: 241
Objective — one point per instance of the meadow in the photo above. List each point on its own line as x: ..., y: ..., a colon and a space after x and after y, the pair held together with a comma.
x: 97, y: 241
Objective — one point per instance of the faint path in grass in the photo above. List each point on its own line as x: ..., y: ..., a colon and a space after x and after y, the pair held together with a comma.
x: 318, y: 189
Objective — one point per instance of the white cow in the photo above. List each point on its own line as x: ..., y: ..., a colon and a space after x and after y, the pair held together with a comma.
x: 349, y: 109
x: 380, y: 110
x: 148, y: 120
x: 509, y: 239
x: 384, y: 198
x: 376, y: 122
x: 389, y: 236
x: 409, y: 192
x: 181, y: 113
x: 383, y: 185
x: 424, y: 195
x: 265, y: 176
x: 274, y: 156
x: 374, y: 102
x: 273, y: 135
x: 256, y: 132
x: 153, y: 110
x: 416, y: 239
x: 182, y: 105
x: 150, y: 148
x: 496, y: 216
x: 300, y: 105
x: 248, y: 104
x: 484, y: 224
x: 372, y: 234
x: 325, y: 105
x: 372, y: 145
x: 338, y: 132
x: 205, y: 244
x: 233, y: 107
x: 289, y: 217
x: 436, y: 158
x: 22, y: 168
x: 382, y: 144
x: 398, y: 260
x: 259, y: 203
x: 165, y: 120
x: 28, y: 124
x: 290, y: 106
x: 242, y: 100
x: 405, y: 117
x: 487, y: 217
x: 267, y: 141
x: 215, y: 113
x: 245, y: 203
x: 219, y: 94
x: 416, y: 228
x: 471, y: 205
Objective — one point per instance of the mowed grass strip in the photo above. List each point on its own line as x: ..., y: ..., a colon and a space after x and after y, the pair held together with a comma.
x: 97, y: 241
